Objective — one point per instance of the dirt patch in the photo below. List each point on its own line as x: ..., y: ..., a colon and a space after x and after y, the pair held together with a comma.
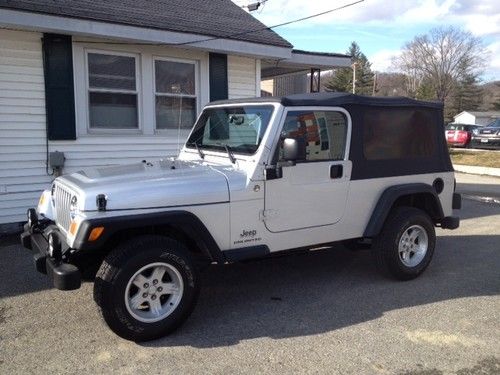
x: 479, y: 158
x: 487, y: 366
x: 3, y: 314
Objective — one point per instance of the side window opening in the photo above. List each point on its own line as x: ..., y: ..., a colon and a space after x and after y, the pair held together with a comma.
x: 398, y: 134
x: 321, y: 134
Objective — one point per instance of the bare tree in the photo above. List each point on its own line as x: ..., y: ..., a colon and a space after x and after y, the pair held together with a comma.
x: 441, y: 58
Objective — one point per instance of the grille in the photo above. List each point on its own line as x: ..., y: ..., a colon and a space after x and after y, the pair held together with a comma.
x: 62, y: 200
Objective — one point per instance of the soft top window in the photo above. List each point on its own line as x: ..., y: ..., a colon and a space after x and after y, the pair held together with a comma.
x: 398, y: 133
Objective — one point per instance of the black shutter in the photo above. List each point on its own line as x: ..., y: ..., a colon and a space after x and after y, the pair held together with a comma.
x: 59, y: 88
x: 218, y: 76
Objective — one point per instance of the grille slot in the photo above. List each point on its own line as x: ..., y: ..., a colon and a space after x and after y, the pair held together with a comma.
x: 62, y: 199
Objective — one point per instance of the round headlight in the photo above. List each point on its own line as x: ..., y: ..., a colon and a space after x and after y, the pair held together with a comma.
x: 73, y: 206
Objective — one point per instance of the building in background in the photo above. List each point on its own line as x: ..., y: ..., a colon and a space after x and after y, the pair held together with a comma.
x: 478, y: 118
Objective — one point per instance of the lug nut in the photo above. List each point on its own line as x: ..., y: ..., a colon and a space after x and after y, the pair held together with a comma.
x: 155, y: 282
x: 153, y: 297
x: 146, y: 285
x: 160, y: 289
x: 144, y: 295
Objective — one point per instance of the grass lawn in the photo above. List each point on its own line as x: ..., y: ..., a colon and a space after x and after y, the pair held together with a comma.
x: 477, y: 158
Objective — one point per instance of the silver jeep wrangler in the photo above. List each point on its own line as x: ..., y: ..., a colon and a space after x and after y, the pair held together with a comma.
x: 255, y: 177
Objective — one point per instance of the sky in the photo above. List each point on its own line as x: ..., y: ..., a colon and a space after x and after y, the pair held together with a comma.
x: 382, y: 27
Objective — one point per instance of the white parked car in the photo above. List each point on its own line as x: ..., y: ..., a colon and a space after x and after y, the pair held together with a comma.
x: 256, y: 177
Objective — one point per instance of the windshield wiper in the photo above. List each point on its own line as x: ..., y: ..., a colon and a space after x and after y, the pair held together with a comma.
x: 202, y: 155
x: 229, y: 153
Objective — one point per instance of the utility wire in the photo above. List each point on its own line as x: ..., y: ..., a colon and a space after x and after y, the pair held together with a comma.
x: 229, y: 36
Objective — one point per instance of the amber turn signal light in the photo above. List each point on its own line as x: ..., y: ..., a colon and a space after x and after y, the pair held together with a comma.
x: 96, y: 233
x: 73, y: 227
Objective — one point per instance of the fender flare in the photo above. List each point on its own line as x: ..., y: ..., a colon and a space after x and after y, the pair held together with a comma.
x: 184, y: 220
x: 387, y: 199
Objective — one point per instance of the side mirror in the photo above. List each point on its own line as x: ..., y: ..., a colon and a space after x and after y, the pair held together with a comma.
x: 290, y: 149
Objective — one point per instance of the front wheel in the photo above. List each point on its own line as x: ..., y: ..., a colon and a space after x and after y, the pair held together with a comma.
x: 405, y: 246
x: 146, y: 287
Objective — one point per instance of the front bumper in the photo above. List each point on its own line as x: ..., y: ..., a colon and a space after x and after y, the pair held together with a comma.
x: 64, y: 276
x: 485, y: 142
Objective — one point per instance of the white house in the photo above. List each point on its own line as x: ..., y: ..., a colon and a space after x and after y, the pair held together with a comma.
x: 478, y: 118
x: 120, y: 81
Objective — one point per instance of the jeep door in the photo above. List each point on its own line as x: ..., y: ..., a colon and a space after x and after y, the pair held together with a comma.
x: 312, y: 191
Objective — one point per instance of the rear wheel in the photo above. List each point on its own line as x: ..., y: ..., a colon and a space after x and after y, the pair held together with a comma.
x: 146, y: 287
x: 405, y: 246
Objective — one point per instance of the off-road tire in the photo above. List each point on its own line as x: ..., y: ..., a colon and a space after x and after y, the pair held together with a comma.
x: 385, y: 246
x: 118, y: 268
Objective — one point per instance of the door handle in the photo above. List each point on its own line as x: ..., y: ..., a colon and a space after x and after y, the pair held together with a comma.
x: 336, y: 171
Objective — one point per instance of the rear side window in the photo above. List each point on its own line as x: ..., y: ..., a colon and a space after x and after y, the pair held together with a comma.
x: 398, y: 134
x: 321, y: 133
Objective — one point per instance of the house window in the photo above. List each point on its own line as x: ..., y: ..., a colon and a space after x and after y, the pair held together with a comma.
x: 112, y: 90
x: 175, y: 94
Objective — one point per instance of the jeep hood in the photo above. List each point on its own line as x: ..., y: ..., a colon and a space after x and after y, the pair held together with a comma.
x: 161, y: 184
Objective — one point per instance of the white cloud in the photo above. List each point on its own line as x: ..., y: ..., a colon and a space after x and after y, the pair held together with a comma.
x: 382, y: 59
x: 482, y: 24
x: 479, y: 17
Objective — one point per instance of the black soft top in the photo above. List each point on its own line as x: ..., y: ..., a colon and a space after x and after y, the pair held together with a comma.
x: 336, y: 99
x: 406, y: 113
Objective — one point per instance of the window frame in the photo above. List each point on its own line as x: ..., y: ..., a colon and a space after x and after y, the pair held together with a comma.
x: 196, y: 95
x: 347, y: 147
x: 234, y: 105
x: 137, y: 92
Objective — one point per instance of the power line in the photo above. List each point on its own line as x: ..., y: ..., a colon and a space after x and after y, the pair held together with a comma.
x: 275, y: 26
x: 229, y: 36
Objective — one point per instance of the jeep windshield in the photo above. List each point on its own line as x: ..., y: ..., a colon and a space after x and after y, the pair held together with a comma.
x: 237, y: 128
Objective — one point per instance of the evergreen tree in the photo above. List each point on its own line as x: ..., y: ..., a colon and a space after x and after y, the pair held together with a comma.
x: 342, y: 78
x: 425, y: 91
x: 467, y: 95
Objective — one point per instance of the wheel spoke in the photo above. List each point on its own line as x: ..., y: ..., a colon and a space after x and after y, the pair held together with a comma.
x: 137, y: 300
x: 155, y: 307
x: 405, y: 237
x: 170, y: 288
x: 158, y: 273
x: 414, y: 236
x: 139, y: 281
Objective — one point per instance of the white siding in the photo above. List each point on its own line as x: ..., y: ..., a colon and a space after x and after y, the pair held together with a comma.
x: 22, y: 124
x: 243, y: 77
x: 22, y: 131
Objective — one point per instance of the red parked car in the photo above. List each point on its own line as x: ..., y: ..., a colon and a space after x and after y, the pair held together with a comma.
x: 459, y: 135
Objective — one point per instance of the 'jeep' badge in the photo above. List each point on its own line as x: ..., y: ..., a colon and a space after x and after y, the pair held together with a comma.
x: 248, y: 233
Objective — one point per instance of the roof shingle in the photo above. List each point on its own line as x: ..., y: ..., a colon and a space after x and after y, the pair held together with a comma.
x: 214, y: 18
